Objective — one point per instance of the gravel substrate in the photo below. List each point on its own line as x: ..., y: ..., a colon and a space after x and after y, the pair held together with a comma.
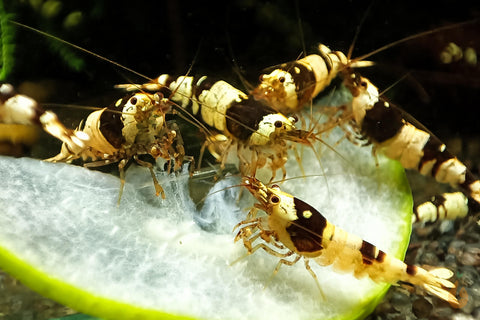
x: 18, y: 302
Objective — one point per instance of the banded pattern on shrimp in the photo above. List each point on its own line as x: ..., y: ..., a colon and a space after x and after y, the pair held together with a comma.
x: 304, y: 232
x: 17, y: 108
x: 392, y: 131
x: 132, y: 126
x: 292, y: 85
x: 259, y: 132
x: 447, y: 206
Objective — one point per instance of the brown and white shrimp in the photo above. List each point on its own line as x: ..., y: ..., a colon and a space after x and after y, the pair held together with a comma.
x: 134, y: 125
x: 228, y: 117
x: 259, y: 132
x: 400, y: 137
x: 16, y: 108
x: 391, y: 130
x: 292, y: 85
x: 293, y: 230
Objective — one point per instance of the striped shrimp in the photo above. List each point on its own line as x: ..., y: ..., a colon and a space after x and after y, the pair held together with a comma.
x: 392, y: 131
x: 133, y: 126
x: 402, y: 138
x: 294, y: 84
x: 447, y: 206
x: 259, y: 132
x: 293, y: 230
x: 228, y: 117
x: 290, y: 86
x: 20, y: 109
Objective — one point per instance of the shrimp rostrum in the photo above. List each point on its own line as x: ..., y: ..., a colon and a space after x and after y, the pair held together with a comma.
x: 304, y: 232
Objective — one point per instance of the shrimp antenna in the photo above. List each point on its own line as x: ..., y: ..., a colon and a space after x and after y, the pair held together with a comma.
x: 236, y: 68
x: 300, y: 27
x: 415, y: 36
x: 357, y: 31
x: 395, y: 83
x: 217, y: 191
x: 195, y: 57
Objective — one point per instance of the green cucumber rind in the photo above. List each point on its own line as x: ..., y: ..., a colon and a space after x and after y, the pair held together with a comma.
x: 74, y: 297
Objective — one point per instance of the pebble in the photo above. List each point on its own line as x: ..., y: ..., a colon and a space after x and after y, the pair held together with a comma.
x: 476, y: 313
x: 400, y: 301
x: 398, y: 316
x: 456, y: 247
x: 467, y: 276
x: 422, y: 307
x: 475, y: 290
x: 470, y: 255
x: 429, y: 258
x: 443, y: 313
x: 451, y: 262
x: 446, y: 226
x: 470, y: 305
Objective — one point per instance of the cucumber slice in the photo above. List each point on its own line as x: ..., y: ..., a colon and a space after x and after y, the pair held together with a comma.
x: 64, y: 236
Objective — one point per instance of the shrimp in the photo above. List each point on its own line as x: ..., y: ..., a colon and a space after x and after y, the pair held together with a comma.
x: 132, y: 126
x: 259, y: 132
x: 16, y: 108
x: 400, y: 137
x: 391, y: 130
x: 302, y: 231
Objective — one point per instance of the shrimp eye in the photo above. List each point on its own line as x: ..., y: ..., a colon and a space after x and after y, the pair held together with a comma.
x: 295, y: 118
x: 274, y: 199
x: 275, y: 186
x: 261, y: 78
x: 282, y: 79
x: 363, y: 84
x: 278, y: 124
x: 133, y: 101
